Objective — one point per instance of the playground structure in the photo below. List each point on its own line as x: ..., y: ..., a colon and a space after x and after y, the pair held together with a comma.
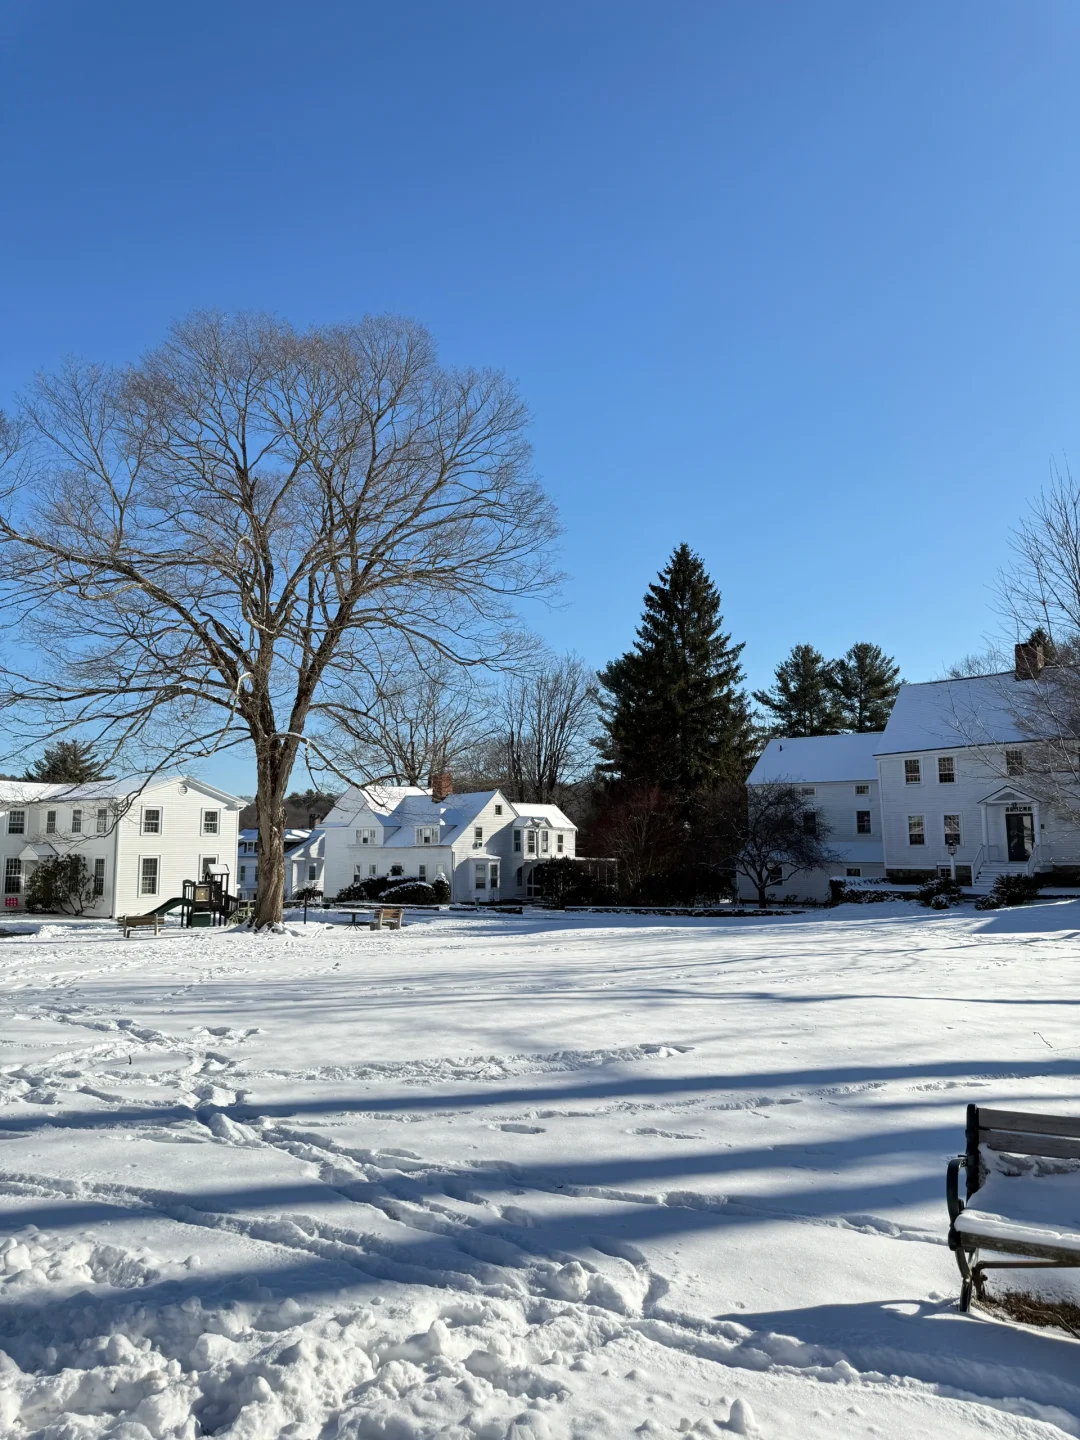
x: 204, y: 903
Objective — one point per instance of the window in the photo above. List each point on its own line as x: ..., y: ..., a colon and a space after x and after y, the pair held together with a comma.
x: 775, y: 875
x: 1014, y: 762
x: 946, y: 770
x: 559, y: 842
x: 76, y: 822
x: 102, y: 822
x: 50, y: 822
x: 209, y: 862
x: 498, y: 809
x: 16, y: 822
x: 312, y: 872
x: 545, y: 840
x: 862, y: 822
x: 916, y: 831
x: 809, y: 822
x: 148, y: 875
x: 518, y: 882
x: 952, y: 830
x: 396, y: 870
x: 210, y: 822
x: 531, y: 842
x: 912, y: 772
x: 517, y: 840
x: 854, y: 872
x: 371, y: 870
x: 243, y: 873
x: 493, y: 875
x: 478, y: 837
x: 366, y: 837
x: 421, y: 872
x: 481, y: 875
x: 808, y: 790
x: 151, y: 825
x: 862, y: 789
x: 99, y: 877
x: 427, y: 835
x: 12, y: 877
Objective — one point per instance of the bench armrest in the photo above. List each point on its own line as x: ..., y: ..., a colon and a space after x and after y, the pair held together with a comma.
x: 952, y: 1187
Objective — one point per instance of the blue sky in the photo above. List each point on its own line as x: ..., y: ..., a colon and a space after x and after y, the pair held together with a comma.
x: 796, y: 283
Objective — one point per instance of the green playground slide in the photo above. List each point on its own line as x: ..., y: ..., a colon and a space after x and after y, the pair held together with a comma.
x: 165, y: 906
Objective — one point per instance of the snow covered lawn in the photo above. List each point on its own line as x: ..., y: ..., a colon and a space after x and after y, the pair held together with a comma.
x: 533, y: 1177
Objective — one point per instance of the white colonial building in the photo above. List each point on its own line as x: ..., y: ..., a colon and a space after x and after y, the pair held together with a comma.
x: 141, y: 839
x: 958, y: 783
x: 481, y: 843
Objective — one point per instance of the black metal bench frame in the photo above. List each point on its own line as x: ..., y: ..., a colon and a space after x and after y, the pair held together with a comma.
x: 1013, y: 1132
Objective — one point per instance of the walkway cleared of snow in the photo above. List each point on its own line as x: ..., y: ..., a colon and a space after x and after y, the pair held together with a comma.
x: 515, y: 1178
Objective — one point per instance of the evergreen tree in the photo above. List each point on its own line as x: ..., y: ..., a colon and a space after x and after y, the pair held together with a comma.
x: 865, y: 683
x: 673, y: 710
x: 68, y: 762
x: 803, y: 700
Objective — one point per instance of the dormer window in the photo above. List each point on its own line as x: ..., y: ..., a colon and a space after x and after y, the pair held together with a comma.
x: 427, y: 835
x: 367, y: 837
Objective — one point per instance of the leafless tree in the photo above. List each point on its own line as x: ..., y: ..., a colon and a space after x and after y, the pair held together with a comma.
x: 547, y: 717
x: 200, y: 545
x: 414, y: 723
x: 782, y: 836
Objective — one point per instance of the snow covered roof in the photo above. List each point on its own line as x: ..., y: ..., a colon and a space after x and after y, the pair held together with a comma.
x: 818, y: 758
x: 944, y: 714
x: 551, y: 813
x: 30, y: 792
x: 379, y: 799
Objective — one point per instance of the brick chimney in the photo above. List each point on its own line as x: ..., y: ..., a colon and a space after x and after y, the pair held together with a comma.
x: 1030, y: 659
x: 441, y: 785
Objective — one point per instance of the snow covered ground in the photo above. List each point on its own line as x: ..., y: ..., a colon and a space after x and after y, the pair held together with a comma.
x: 533, y: 1177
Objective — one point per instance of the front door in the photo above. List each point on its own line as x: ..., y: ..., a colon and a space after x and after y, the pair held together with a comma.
x: 1020, y: 832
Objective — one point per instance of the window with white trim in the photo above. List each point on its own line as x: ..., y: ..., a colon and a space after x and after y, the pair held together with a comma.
x: 862, y: 789
x: 808, y: 790
x: 478, y: 837
x: 809, y: 822
x: 545, y: 840
x: 149, y: 867
x: 367, y: 837
x: 312, y: 872
x: 480, y: 879
x: 76, y: 822
x: 421, y: 872
x: 1014, y: 762
x: 916, y: 830
x: 854, y: 872
x: 372, y: 871
x: 912, y: 772
x: 16, y: 822
x: 517, y: 840
x: 211, y: 822
x: 50, y: 822
x: 427, y: 835
x: 103, y: 822
x: 99, y: 877
x: 396, y: 870
x: 151, y: 825
x: 498, y: 809
x: 862, y: 822
x: 493, y: 875
x: 243, y: 873
x: 946, y: 770
x: 559, y: 842
x: 12, y: 876
x: 530, y: 842
x: 953, y: 833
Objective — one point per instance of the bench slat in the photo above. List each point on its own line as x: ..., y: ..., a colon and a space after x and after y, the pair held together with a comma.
x: 1004, y: 1246
x: 1019, y: 1120
x: 1014, y: 1142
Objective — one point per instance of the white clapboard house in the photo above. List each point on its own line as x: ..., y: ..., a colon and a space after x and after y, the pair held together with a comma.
x: 485, y: 846
x: 959, y: 782
x: 141, y: 839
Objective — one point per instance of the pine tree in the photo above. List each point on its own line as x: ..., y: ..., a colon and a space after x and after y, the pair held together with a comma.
x: 68, y: 762
x: 865, y: 683
x: 803, y: 700
x: 673, y: 710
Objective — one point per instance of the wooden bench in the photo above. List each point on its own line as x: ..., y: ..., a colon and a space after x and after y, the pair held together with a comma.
x: 972, y: 1230
x: 128, y: 923
x: 388, y: 917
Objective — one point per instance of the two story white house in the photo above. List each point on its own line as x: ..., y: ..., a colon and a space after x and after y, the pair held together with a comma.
x: 482, y: 844
x: 960, y: 782
x: 141, y: 840
x: 838, y: 776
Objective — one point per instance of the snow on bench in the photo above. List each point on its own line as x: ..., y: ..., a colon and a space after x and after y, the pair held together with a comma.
x: 1022, y: 1173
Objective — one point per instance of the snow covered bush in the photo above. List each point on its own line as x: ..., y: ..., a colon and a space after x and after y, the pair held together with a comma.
x: 440, y: 887
x: 942, y: 887
x: 361, y: 890
x: 940, y: 902
x: 1016, y: 889
x: 409, y: 892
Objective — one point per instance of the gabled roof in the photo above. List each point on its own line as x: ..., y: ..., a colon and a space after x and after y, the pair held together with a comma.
x: 381, y: 800
x: 551, y: 814
x: 818, y: 759
x: 30, y: 792
x: 951, y: 714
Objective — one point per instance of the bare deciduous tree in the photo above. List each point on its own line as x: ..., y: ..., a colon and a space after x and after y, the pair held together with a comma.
x: 201, y: 544
x: 782, y: 836
x: 548, y: 717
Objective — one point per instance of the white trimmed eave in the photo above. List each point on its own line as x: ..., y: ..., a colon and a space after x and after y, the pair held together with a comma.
x: 1009, y: 795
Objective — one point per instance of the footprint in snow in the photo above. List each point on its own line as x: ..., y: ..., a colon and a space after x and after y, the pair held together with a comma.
x: 514, y: 1128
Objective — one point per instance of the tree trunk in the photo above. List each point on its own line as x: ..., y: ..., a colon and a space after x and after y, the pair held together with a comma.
x: 273, y: 779
x: 762, y: 898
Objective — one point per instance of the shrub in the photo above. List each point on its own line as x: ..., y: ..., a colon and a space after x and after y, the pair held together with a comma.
x: 62, y: 884
x: 440, y: 888
x: 986, y: 902
x: 361, y: 890
x: 409, y: 892
x: 1016, y: 889
x: 942, y: 887
x: 684, y: 885
x: 940, y: 902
